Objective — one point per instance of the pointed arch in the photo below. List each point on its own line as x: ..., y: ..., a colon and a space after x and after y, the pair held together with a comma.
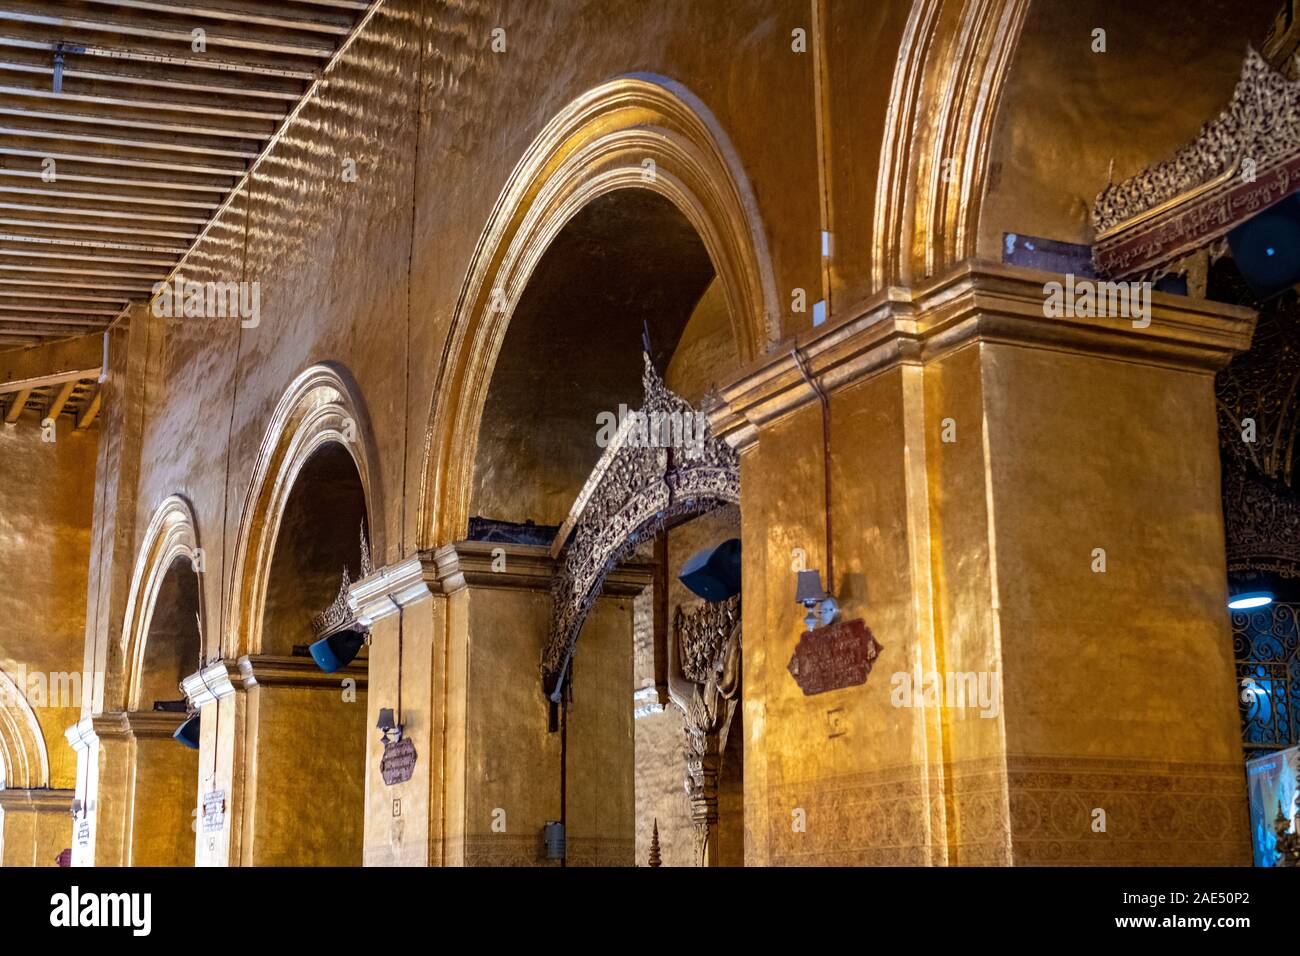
x: 321, y: 406
x: 24, y: 759
x: 635, y: 132
x: 171, y: 534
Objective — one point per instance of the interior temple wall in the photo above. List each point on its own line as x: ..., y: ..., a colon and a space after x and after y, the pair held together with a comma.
x: 46, y: 504
x: 367, y: 274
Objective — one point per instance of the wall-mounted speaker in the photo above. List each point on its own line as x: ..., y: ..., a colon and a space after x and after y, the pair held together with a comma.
x: 1267, y: 248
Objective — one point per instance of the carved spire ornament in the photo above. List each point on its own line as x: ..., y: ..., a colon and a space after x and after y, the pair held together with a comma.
x: 1245, y: 159
x: 338, y: 616
x: 664, y: 465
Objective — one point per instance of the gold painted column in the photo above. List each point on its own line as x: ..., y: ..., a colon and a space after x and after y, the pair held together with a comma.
x: 35, y: 826
x: 1026, y: 513
x: 488, y: 775
x: 136, y: 793
x: 281, y: 762
x: 100, y: 831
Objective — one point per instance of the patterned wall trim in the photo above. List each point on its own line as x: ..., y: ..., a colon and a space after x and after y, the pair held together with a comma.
x: 1026, y: 810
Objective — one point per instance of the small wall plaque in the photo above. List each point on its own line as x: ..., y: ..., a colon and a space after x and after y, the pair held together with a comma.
x: 83, y: 832
x: 398, y: 762
x: 835, y: 656
x: 214, y: 811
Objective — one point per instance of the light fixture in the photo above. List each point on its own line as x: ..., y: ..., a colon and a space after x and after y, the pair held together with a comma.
x: 1247, y: 590
x: 188, y: 732
x: 1250, y: 599
x: 390, y: 731
x: 338, y: 649
x: 820, y: 605
x: 714, y: 573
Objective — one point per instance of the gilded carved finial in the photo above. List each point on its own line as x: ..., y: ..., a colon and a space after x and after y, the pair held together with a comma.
x: 655, y: 859
x: 338, y: 615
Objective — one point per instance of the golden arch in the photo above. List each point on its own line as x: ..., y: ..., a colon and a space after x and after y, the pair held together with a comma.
x: 318, y: 408
x: 635, y: 132
x: 171, y: 534
x: 24, y: 759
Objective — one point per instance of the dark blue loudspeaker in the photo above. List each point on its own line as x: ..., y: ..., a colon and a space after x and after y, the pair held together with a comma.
x: 337, y: 650
x: 714, y: 573
x: 1266, y: 248
x: 188, y: 732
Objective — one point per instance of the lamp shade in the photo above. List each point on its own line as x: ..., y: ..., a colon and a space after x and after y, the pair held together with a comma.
x: 809, y: 589
x: 1249, y: 589
x: 188, y: 732
x: 714, y: 573
x: 338, y: 649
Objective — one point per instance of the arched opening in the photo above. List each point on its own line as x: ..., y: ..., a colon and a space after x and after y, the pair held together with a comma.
x: 308, y: 766
x: 626, y: 268
x: 171, y: 650
x: 319, y: 535
x: 165, y: 790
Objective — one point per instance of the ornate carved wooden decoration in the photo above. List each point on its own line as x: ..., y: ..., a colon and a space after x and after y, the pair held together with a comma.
x: 705, y: 686
x: 663, y: 466
x: 1245, y: 159
x: 1258, y: 398
x: 338, y: 616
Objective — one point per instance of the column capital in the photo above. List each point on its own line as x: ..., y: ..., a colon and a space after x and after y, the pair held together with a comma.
x: 387, y: 591
x: 90, y: 730
x: 975, y: 302
x: 211, y: 682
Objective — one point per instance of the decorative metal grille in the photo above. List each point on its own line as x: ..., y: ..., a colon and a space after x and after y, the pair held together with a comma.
x: 1266, y: 645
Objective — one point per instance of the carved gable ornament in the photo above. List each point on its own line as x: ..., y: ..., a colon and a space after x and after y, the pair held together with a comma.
x: 1244, y: 160
x: 663, y: 466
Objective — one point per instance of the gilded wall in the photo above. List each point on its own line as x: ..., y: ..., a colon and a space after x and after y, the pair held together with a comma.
x: 846, y: 136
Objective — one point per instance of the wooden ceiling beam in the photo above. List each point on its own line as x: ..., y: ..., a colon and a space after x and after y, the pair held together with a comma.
x: 86, y: 416
x: 233, y: 11
x: 145, y: 277
x: 61, y: 399
x: 42, y: 310
x: 78, y: 25
x: 78, y: 173
x: 72, y: 233
x: 13, y: 293
x: 115, y: 118
x: 38, y: 59
x: 105, y: 99
x: 43, y: 282
x: 16, y: 405
x: 40, y: 214
x: 75, y: 133
x: 118, y: 160
x: 59, y: 195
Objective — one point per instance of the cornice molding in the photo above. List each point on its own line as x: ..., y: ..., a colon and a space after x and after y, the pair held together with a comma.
x: 976, y: 302
x: 15, y: 800
x: 266, y: 670
x: 387, y: 591
x: 528, y: 567
x: 153, y: 723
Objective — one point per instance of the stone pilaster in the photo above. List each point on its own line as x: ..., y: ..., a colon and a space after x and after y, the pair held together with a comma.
x: 35, y: 826
x: 465, y: 656
x: 1026, y: 502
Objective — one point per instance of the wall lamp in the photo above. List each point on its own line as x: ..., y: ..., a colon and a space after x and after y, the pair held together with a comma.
x: 390, y: 731
x: 1248, y: 590
x: 821, y: 607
